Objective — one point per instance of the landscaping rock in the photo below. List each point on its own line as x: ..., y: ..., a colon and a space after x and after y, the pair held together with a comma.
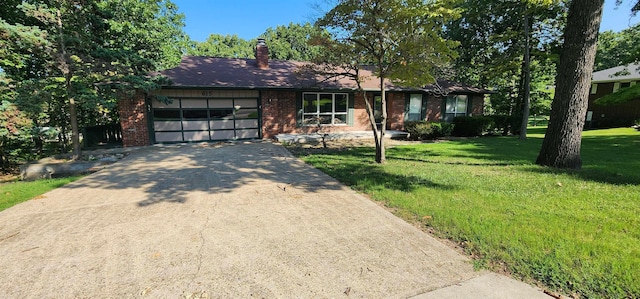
x: 30, y: 172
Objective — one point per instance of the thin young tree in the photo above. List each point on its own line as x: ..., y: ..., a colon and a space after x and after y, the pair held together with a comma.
x: 397, y: 40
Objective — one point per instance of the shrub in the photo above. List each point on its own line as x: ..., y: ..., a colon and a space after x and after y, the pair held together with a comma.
x: 469, y: 126
x: 501, y: 123
x: 422, y: 130
x: 442, y: 129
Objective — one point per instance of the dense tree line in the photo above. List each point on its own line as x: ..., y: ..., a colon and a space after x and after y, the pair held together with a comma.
x: 289, y: 42
x: 65, y: 64
x: 494, y: 36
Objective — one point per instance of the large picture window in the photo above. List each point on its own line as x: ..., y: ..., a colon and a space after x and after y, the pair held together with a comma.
x: 456, y: 105
x: 324, y: 108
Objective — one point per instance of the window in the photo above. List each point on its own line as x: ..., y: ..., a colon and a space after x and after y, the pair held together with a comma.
x: 377, y: 109
x: 594, y: 88
x: 415, y: 108
x: 166, y: 114
x: 324, y: 108
x: 195, y: 114
x: 618, y: 85
x: 456, y: 105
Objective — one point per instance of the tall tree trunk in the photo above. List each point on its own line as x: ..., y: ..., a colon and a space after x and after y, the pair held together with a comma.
x: 75, y: 130
x: 380, y: 150
x: 561, y: 144
x: 526, y: 71
x: 65, y: 67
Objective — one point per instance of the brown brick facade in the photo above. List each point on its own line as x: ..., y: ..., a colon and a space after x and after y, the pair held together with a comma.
x: 477, y: 105
x: 279, y: 115
x: 278, y: 112
x: 134, y: 121
x: 612, y: 115
x: 434, y: 108
x: 395, y: 110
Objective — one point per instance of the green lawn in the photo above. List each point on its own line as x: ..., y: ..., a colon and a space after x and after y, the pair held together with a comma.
x: 576, y: 232
x: 14, y: 193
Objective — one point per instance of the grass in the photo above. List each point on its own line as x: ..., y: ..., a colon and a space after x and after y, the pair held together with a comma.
x: 576, y: 232
x: 16, y: 192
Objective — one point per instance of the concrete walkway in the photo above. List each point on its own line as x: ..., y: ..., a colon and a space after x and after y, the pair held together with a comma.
x: 224, y: 221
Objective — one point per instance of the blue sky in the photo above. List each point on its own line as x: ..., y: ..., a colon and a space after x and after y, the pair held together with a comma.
x: 250, y: 18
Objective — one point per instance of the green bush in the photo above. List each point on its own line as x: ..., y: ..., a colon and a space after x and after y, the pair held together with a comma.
x: 469, y: 126
x: 501, y: 123
x: 423, y: 130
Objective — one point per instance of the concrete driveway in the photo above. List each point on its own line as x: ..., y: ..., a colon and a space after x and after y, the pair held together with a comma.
x: 209, y: 221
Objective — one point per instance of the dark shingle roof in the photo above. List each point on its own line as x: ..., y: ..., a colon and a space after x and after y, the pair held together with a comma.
x: 199, y: 71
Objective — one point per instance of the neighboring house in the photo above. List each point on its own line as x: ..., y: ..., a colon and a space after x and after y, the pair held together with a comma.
x: 223, y: 99
x: 606, y: 82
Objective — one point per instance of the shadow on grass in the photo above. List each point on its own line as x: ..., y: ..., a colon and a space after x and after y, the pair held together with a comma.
x: 483, y: 151
x: 610, y: 159
x: 347, y: 167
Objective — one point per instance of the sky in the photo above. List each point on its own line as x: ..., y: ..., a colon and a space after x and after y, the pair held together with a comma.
x: 250, y: 18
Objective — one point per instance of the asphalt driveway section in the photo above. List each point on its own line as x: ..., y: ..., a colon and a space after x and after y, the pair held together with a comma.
x: 216, y: 220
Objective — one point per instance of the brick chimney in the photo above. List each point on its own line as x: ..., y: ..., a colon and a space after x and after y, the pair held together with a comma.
x: 262, y: 54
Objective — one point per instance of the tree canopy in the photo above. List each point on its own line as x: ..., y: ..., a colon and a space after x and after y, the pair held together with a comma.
x: 398, y: 40
x: 618, y: 48
x: 493, y: 40
x: 289, y: 42
x: 83, y: 56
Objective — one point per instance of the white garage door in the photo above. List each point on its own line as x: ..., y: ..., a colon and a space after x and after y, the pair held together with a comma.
x: 206, y: 120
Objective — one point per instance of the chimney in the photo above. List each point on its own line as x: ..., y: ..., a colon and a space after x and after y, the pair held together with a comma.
x: 262, y: 54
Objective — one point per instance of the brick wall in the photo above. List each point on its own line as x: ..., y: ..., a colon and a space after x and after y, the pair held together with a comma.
x: 477, y: 103
x: 360, y: 117
x: 434, y: 108
x: 395, y: 110
x: 134, y: 121
x: 616, y: 115
x: 278, y: 112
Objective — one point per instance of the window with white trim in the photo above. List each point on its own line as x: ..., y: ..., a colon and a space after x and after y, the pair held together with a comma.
x: 324, y: 108
x: 455, y: 105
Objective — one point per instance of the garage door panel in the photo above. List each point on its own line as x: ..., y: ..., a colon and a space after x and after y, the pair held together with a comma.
x: 202, y: 125
x: 174, y: 104
x: 245, y: 103
x: 222, y: 135
x: 196, y: 136
x: 247, y: 113
x: 206, y: 119
x: 246, y: 123
x: 167, y: 126
x: 194, y: 104
x: 220, y: 103
x: 244, y: 134
x: 221, y: 124
x: 169, y: 136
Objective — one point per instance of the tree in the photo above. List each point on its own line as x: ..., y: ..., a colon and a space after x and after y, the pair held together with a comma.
x: 399, y: 40
x: 291, y: 42
x: 228, y: 46
x: 561, y: 144
x: 15, y: 132
x: 618, y: 48
x: 93, y: 52
x: 493, y: 37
